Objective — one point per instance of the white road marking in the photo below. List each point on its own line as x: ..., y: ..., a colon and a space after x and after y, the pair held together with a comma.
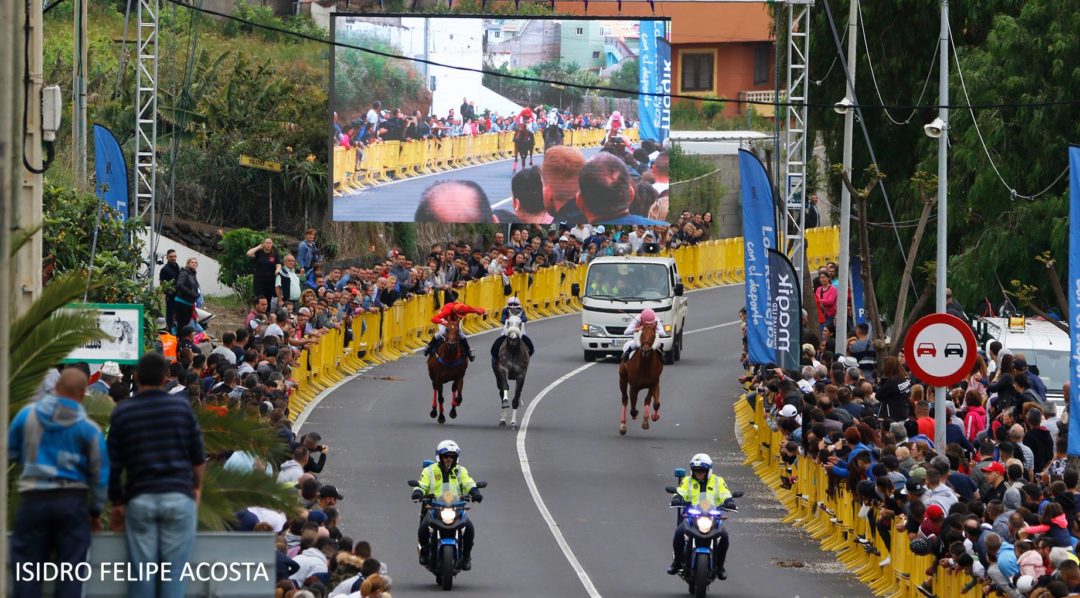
x: 526, y: 470
x: 507, y: 200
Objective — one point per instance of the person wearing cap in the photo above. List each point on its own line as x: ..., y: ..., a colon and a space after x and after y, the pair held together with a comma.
x: 186, y: 338
x: 108, y: 375
x: 647, y: 317
x: 329, y: 496
x: 456, y: 310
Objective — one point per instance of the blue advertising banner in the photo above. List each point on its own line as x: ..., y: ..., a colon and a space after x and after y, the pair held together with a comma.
x: 784, y: 311
x: 663, y: 54
x: 654, y: 77
x: 1074, y: 299
x: 111, y: 170
x: 858, y: 296
x: 759, y: 235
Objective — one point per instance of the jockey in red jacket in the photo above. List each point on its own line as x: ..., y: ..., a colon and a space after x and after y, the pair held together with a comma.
x: 458, y: 310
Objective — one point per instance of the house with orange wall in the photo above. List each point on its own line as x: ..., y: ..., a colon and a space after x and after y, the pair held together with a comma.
x: 718, y: 49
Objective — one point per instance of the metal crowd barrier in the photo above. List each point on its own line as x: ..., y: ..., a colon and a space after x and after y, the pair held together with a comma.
x: 833, y: 518
x: 383, y: 162
x: 385, y: 336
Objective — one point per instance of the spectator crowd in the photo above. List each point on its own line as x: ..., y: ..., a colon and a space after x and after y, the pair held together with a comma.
x: 998, y: 502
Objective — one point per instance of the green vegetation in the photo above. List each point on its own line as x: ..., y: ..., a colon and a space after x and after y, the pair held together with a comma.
x: 699, y: 190
x: 1009, y: 51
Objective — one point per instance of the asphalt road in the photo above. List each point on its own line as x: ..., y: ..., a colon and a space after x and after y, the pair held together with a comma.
x: 397, y: 201
x: 604, y: 493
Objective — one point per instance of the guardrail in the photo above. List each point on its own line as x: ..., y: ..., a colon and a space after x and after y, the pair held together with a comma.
x: 394, y: 160
x: 383, y: 337
x: 832, y: 518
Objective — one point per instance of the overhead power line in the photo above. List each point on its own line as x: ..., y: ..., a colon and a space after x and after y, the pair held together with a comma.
x: 634, y: 92
x: 978, y: 132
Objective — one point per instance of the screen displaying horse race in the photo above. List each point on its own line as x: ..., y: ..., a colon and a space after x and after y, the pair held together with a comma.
x: 482, y: 120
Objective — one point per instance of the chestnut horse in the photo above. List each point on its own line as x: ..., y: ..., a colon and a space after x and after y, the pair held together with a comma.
x: 447, y: 364
x: 641, y: 371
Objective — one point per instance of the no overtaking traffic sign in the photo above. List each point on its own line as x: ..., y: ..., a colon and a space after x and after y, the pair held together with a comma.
x: 940, y: 349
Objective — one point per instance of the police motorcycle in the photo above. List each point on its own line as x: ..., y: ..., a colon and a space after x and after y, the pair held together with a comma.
x: 446, y: 517
x: 701, y: 524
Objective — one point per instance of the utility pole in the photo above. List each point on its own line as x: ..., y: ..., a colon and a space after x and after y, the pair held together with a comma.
x: 26, y: 277
x: 844, y: 267
x: 78, y: 96
x: 12, y: 18
x: 943, y: 194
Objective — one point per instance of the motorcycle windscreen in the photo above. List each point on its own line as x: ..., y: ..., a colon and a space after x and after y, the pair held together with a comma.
x: 449, y: 494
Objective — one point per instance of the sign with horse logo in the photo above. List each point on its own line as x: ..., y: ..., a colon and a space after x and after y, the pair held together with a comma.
x: 123, y: 323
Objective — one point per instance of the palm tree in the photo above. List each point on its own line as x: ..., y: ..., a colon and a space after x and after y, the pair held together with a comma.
x: 49, y: 331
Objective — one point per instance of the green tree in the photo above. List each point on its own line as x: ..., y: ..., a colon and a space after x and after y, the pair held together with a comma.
x: 627, y: 76
x: 1009, y: 51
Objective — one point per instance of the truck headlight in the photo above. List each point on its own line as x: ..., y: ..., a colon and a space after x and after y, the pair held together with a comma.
x: 591, y: 330
x: 667, y: 328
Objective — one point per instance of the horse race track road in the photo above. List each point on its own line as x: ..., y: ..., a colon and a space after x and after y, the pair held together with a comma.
x: 397, y: 201
x: 605, y: 493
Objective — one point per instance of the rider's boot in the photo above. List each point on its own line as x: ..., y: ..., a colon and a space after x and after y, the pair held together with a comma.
x: 676, y: 565
x: 430, y: 348
x: 466, y: 560
x: 529, y: 345
x: 626, y: 354
x: 468, y: 349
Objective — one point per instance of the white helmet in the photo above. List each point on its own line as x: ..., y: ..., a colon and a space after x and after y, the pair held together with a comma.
x: 701, y: 461
x: 448, y: 446
x: 512, y: 301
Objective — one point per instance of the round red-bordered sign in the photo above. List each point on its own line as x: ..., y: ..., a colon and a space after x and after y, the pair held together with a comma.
x: 940, y: 349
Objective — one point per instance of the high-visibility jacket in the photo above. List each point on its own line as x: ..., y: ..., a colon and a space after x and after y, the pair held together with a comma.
x: 169, y: 344
x: 712, y: 490
x: 456, y: 481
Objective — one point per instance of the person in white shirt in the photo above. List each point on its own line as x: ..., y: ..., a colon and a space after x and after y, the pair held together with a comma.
x: 636, y: 238
x: 292, y: 469
x: 582, y: 232
x: 314, y: 560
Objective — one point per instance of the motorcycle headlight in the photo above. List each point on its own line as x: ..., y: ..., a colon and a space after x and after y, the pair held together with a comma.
x: 704, y: 524
x: 447, y: 515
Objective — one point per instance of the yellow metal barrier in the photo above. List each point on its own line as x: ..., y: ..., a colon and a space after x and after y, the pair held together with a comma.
x: 378, y: 338
x: 399, y: 160
x: 832, y: 518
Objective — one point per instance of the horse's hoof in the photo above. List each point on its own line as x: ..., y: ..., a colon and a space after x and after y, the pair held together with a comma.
x: 442, y: 419
x: 644, y: 423
x: 513, y: 426
x: 656, y: 415
x: 453, y: 413
x: 633, y: 414
x: 502, y: 423
x: 505, y: 404
x: 622, y: 429
x: 433, y: 413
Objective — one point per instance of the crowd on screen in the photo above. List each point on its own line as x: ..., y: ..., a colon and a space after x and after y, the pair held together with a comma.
x: 382, y: 124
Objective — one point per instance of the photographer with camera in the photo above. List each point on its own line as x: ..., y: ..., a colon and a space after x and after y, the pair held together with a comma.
x: 317, y: 451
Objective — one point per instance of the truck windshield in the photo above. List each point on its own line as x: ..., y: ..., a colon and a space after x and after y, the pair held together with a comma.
x: 1053, y: 367
x: 628, y: 282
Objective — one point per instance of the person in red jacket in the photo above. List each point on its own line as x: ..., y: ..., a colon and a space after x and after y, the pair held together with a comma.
x: 457, y: 310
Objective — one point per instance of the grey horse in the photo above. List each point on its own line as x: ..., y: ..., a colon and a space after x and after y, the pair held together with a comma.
x: 512, y: 363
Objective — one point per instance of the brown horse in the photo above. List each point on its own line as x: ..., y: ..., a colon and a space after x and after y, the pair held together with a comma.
x: 642, y: 370
x: 447, y: 364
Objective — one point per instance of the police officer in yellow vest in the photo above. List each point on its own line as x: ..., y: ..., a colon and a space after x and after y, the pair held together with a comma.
x: 442, y: 477
x: 701, y: 486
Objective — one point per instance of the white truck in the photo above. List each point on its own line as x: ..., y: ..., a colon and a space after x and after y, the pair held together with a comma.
x: 619, y: 288
x: 1043, y: 345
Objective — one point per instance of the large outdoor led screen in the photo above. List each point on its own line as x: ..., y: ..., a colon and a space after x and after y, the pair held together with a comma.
x: 471, y: 119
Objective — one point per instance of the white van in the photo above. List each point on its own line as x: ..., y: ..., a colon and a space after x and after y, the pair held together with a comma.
x: 619, y: 288
x: 1042, y: 344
